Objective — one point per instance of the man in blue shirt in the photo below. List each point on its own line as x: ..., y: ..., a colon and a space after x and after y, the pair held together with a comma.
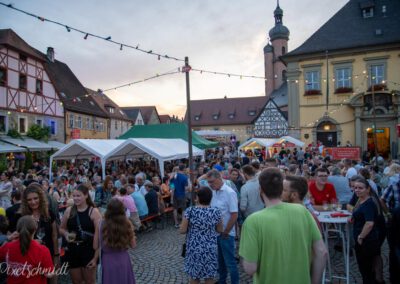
x: 178, y: 194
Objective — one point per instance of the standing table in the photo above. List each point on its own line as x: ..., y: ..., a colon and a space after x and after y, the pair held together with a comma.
x: 340, y: 226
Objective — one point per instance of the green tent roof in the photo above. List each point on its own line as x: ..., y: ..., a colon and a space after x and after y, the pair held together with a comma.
x: 173, y: 130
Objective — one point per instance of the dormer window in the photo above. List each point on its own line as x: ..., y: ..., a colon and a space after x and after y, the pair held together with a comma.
x: 231, y: 116
x: 111, y: 110
x: 215, y: 116
x: 197, y: 117
x: 368, y: 12
x: 252, y: 112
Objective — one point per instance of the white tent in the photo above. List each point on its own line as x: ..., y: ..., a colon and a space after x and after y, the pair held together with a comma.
x: 161, y: 149
x: 210, y: 133
x: 254, y: 142
x: 86, y: 149
x: 290, y: 139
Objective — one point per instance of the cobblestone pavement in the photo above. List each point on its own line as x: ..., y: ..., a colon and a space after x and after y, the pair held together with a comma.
x: 157, y: 260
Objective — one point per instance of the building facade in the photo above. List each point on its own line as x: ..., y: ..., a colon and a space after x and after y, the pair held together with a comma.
x: 84, y: 118
x: 142, y: 115
x: 118, y: 122
x: 343, y: 82
x: 27, y: 94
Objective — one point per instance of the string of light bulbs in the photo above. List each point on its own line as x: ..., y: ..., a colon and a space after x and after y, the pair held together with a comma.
x: 86, y: 34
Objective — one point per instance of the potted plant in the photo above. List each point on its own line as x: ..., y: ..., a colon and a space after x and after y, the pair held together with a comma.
x: 343, y: 90
x: 312, y: 92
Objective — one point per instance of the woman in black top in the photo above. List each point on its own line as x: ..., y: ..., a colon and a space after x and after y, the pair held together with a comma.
x: 34, y: 203
x: 365, y: 230
x: 78, y: 227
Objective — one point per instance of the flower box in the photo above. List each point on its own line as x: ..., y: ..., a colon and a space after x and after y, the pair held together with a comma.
x: 343, y: 90
x: 312, y: 92
x: 378, y: 87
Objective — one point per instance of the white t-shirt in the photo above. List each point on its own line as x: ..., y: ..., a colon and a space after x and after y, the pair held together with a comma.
x: 351, y: 172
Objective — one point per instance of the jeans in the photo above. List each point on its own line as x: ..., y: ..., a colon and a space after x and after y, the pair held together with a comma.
x: 226, y: 260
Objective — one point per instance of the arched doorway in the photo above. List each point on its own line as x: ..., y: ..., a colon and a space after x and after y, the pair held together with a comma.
x: 327, y: 133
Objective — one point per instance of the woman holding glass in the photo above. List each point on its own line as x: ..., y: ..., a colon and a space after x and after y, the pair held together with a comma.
x: 78, y: 226
x: 366, y: 230
x: 34, y: 203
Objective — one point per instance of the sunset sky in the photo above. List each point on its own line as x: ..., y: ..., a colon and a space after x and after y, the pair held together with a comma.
x: 220, y: 35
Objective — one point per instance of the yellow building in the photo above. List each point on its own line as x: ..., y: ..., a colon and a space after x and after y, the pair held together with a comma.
x: 345, y: 68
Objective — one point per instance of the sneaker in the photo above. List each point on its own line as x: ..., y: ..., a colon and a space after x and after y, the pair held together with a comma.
x: 177, y: 226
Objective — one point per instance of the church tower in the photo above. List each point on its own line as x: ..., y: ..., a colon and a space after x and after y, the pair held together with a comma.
x: 277, y: 46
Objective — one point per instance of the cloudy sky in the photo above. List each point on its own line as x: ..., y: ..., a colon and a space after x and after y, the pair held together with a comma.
x: 218, y: 35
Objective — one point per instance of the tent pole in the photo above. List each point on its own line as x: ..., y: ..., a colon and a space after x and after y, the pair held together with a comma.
x: 103, y: 168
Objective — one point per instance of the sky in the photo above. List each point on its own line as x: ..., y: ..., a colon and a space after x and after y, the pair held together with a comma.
x: 218, y: 35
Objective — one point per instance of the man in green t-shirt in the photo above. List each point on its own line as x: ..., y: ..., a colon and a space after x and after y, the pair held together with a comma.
x: 281, y: 243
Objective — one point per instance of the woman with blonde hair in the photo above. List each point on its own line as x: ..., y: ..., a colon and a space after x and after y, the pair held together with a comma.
x: 35, y: 203
x: 25, y: 252
x: 115, y: 236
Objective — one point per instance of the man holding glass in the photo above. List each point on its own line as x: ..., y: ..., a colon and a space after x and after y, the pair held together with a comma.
x: 322, y: 193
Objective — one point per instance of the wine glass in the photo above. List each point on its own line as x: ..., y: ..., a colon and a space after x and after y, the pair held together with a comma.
x: 71, y: 236
x: 325, y: 206
x: 40, y: 234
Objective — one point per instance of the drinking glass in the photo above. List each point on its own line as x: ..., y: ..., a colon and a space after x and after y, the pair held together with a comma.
x: 71, y: 236
x: 325, y: 206
x: 40, y: 234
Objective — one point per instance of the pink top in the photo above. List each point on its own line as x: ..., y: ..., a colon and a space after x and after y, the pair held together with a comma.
x: 128, y: 202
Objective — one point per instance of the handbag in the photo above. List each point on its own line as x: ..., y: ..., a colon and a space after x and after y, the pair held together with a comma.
x: 99, y: 273
x: 183, y: 253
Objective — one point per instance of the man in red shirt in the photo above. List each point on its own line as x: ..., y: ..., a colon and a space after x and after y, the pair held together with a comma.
x: 321, y: 191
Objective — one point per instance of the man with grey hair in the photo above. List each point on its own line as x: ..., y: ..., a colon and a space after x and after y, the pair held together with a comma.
x: 341, y: 185
x: 250, y: 199
x: 225, y: 199
x: 139, y: 183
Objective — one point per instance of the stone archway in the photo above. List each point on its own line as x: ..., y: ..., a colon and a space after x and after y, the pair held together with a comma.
x: 328, y: 131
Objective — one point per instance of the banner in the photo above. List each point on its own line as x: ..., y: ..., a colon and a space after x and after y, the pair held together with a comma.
x: 338, y: 153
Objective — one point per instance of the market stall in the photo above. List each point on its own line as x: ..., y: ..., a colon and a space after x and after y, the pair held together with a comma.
x: 271, y: 144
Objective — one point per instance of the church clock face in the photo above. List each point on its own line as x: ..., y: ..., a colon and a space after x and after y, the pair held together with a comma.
x: 271, y: 123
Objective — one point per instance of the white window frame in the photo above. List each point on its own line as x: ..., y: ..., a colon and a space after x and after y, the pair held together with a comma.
x: 312, y: 82
x: 375, y: 78
x: 341, y: 80
x: 116, y: 124
x: 79, y: 122
x: 26, y: 124
x: 87, y: 123
x: 71, y: 119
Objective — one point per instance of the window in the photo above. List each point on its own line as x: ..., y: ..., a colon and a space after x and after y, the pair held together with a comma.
x: 312, y: 80
x: 39, y: 121
x: 71, y: 121
x: 79, y: 122
x: 283, y: 50
x: 3, y: 76
x: 368, y: 12
x: 88, y: 123
x: 53, y: 127
x: 22, y: 81
x: 39, y: 86
x: 3, y: 123
x: 231, y: 116
x: 197, y: 117
x: 23, y: 57
x: 22, y: 127
x: 101, y: 126
x: 139, y: 122
x: 343, y: 77
x: 116, y: 125
x: 215, y: 116
x: 96, y: 125
x: 252, y: 112
x: 377, y: 74
x: 111, y: 110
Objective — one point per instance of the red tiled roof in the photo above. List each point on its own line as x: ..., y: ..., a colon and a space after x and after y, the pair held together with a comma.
x: 10, y: 39
x: 226, y: 111
x: 146, y: 111
x: 164, y: 118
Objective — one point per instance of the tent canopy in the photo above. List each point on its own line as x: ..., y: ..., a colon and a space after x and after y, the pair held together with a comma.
x: 8, y: 148
x: 173, y: 130
x: 28, y: 143
x: 161, y: 149
x: 211, y: 133
x: 269, y: 142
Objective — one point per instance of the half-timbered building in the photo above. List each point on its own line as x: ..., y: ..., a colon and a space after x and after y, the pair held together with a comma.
x: 27, y: 94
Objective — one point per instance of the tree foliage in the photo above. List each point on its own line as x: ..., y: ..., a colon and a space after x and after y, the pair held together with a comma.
x: 38, y: 132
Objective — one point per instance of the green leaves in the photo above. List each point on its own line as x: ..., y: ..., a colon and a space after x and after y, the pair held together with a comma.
x: 38, y: 132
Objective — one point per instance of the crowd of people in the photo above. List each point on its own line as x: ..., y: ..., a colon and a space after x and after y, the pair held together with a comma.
x: 269, y: 208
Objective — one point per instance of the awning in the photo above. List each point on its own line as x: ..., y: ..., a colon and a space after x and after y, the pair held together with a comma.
x: 56, y: 145
x: 213, y: 133
x: 8, y: 148
x: 269, y: 142
x: 28, y: 143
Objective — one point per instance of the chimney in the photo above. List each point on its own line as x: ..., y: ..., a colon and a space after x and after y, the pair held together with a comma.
x: 50, y: 54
